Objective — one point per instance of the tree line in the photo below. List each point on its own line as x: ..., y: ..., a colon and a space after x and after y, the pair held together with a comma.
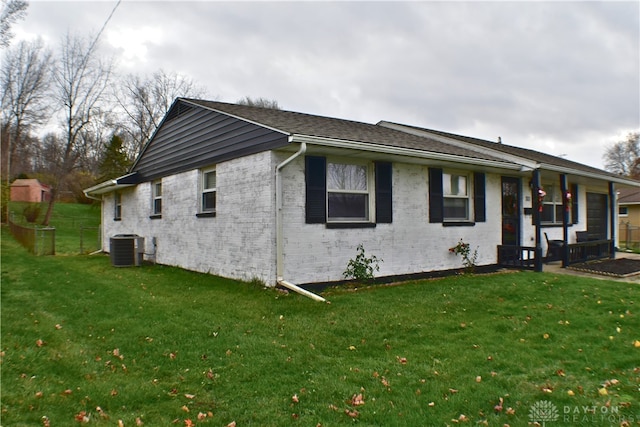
x: 69, y: 118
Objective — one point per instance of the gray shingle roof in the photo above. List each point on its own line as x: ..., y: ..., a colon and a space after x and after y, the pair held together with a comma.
x: 629, y: 196
x: 294, y: 123
x: 526, y: 153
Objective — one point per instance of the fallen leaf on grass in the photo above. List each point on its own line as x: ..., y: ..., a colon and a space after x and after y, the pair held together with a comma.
x: 402, y: 360
x: 295, y: 398
x: 45, y: 421
x: 352, y: 414
x: 357, y: 400
x: 231, y: 424
x: 82, y: 417
x: 190, y: 396
x: 40, y: 343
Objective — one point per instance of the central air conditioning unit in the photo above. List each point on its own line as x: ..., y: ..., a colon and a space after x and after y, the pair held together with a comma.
x: 126, y: 250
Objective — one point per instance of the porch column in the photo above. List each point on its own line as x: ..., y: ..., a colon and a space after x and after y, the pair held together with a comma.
x: 537, y: 207
x: 612, y: 219
x: 565, y: 220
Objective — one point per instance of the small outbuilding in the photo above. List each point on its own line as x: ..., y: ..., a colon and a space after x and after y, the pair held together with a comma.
x: 30, y: 190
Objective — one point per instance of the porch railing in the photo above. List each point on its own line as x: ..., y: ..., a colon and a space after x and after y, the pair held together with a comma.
x: 512, y: 256
x: 589, y: 251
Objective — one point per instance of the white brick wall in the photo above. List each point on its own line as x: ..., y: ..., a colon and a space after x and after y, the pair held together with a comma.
x: 314, y: 253
x: 240, y: 241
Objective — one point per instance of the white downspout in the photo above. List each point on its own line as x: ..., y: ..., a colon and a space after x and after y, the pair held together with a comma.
x: 279, y: 229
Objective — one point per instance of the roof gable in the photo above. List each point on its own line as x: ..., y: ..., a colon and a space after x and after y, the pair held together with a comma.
x: 293, y: 123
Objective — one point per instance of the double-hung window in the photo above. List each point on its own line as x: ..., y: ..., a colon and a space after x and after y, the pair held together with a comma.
x: 348, y: 195
x: 208, y: 191
x: 552, y: 206
x: 117, y: 207
x: 455, y: 192
x: 456, y: 197
x: 156, y: 197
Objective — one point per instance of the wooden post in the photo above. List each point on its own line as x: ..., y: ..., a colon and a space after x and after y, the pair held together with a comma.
x: 612, y: 219
x: 535, y: 188
x: 565, y: 220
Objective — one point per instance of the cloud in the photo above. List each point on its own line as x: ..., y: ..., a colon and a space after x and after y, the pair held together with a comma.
x: 562, y: 77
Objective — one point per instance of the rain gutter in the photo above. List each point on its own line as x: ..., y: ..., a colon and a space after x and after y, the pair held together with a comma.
x: 280, y: 231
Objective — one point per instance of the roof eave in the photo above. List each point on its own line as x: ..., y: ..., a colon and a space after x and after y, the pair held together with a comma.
x: 606, y: 177
x: 109, y: 186
x: 402, y: 151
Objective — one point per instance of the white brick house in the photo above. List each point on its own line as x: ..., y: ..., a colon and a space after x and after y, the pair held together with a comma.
x: 253, y: 193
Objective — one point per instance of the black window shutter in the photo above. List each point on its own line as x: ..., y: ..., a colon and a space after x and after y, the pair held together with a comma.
x: 574, y: 203
x: 479, y: 208
x: 316, y: 189
x: 436, y: 204
x: 384, y: 211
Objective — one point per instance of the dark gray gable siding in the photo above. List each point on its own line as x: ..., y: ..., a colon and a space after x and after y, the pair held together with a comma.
x: 198, y: 137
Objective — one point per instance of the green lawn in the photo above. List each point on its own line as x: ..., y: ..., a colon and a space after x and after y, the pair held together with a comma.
x: 77, y: 225
x: 163, y: 346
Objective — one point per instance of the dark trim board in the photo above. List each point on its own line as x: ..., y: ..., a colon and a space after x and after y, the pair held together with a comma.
x: 385, y: 280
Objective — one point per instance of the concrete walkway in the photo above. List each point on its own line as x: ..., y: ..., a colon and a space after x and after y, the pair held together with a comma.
x: 555, y: 267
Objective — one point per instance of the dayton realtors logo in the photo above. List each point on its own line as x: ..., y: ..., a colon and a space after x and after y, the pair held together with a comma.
x: 544, y: 411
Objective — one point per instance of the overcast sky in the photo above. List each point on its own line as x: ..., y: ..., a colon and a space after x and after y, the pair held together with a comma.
x: 558, y: 77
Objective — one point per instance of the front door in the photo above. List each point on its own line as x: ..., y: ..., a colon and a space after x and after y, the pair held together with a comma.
x: 597, y: 216
x: 510, y: 211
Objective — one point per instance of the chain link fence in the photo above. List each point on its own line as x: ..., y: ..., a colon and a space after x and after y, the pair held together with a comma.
x: 37, y: 240
x: 629, y: 235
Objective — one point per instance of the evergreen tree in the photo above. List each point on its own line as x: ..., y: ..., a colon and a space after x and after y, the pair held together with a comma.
x: 115, y: 161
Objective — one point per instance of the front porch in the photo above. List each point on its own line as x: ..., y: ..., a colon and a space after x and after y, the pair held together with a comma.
x: 531, y: 258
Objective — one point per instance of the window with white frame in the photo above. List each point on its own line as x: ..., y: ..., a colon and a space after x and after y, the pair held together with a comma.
x: 552, y: 205
x: 208, y: 190
x: 348, y: 197
x: 455, y: 192
x: 156, y: 195
x: 623, y: 210
x: 117, y: 205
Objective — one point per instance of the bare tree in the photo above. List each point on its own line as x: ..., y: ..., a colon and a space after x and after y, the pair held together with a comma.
x: 259, y: 102
x: 24, y: 80
x: 12, y: 10
x: 80, y: 79
x: 623, y: 157
x: 145, y: 101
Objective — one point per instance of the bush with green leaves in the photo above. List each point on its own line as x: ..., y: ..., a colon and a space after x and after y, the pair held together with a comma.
x: 469, y: 258
x: 362, y: 267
